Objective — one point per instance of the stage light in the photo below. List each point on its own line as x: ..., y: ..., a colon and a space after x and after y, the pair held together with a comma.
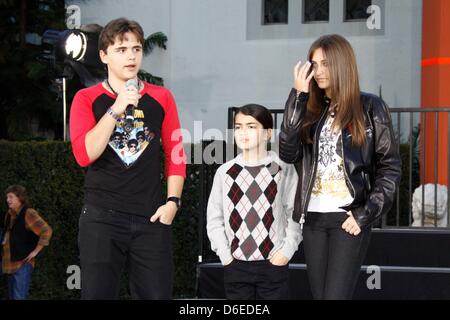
x: 76, y: 45
x: 71, y: 52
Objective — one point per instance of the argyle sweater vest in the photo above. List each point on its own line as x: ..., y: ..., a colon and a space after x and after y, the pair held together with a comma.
x: 253, y: 204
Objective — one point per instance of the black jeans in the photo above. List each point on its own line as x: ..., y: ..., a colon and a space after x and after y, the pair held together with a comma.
x: 261, y: 280
x: 109, y: 241
x: 333, y: 256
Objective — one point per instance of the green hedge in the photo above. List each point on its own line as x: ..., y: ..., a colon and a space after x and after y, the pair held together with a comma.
x: 403, y: 193
x: 55, y: 185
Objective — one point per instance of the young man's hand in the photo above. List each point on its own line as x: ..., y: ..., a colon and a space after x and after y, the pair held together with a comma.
x: 165, y: 213
x: 128, y: 95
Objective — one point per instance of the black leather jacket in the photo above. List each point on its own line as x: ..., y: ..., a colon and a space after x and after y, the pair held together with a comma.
x: 372, y: 171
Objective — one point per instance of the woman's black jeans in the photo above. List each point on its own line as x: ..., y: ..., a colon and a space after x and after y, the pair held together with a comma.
x: 333, y: 256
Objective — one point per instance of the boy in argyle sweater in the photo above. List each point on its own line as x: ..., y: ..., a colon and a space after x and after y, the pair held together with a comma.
x: 249, y: 214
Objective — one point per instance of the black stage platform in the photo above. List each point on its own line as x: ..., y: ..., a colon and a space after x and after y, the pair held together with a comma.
x: 414, y: 264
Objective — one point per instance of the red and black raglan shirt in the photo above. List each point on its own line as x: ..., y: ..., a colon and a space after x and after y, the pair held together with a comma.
x: 127, y: 176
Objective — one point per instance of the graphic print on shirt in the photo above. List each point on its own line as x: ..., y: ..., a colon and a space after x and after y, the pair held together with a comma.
x: 330, y: 176
x: 252, y: 192
x: 129, y: 142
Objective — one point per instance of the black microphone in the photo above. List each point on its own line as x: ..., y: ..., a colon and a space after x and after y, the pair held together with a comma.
x: 129, y: 112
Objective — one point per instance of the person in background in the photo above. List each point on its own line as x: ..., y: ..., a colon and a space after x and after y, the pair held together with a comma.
x: 25, y: 234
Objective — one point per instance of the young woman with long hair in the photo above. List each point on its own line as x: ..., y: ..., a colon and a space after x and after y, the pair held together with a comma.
x: 343, y: 145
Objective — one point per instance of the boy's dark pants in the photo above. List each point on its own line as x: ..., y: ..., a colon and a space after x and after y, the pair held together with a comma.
x: 260, y: 280
x: 110, y: 241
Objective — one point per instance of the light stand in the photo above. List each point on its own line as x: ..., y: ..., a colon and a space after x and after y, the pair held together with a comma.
x: 61, y: 86
x: 64, y: 98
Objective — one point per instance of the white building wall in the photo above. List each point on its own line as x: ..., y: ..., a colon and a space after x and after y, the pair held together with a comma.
x: 210, y: 65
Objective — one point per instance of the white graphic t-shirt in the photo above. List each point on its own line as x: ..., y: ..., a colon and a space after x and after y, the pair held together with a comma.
x: 330, y: 190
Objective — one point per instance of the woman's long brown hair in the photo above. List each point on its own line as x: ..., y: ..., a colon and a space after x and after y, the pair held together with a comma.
x: 344, y: 89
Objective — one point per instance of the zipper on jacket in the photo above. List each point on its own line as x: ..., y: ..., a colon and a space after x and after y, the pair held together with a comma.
x: 313, y: 176
x: 302, y: 221
x: 345, y: 170
x: 295, y: 108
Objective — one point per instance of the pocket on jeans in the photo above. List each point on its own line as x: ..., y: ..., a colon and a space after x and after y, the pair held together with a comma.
x: 230, y: 264
x: 89, y: 212
x: 84, y: 210
x: 83, y: 214
x: 278, y: 266
x: 168, y: 226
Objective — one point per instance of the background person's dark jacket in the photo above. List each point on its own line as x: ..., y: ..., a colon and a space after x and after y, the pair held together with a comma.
x: 22, y: 241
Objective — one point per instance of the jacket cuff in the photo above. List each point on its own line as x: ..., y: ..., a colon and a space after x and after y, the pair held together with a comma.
x: 302, y: 96
x: 288, y: 251
x: 361, y: 219
x: 225, y: 256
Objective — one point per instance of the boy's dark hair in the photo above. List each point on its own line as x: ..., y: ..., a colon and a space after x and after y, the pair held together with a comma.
x: 260, y: 113
x: 20, y: 192
x: 118, y: 28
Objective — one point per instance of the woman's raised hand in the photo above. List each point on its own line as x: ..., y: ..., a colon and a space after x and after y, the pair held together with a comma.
x: 301, y: 77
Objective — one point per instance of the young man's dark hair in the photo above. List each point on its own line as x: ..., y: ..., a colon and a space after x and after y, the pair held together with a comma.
x: 118, y: 28
x: 125, y: 219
